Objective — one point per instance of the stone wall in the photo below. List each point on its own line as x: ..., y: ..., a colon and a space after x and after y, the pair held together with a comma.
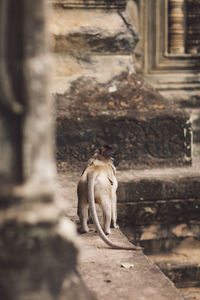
x: 143, y: 128
x: 99, y: 99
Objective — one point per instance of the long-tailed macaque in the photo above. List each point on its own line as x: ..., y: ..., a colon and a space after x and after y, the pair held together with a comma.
x: 98, y: 184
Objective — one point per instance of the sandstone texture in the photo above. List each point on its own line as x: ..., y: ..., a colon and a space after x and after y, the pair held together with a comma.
x: 90, y: 43
x: 107, y: 4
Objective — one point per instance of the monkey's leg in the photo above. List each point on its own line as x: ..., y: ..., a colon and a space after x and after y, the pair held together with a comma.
x: 89, y: 217
x: 107, y: 210
x: 83, y: 215
x: 114, y: 211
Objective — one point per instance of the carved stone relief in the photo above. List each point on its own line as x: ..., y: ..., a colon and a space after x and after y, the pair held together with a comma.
x: 142, y: 127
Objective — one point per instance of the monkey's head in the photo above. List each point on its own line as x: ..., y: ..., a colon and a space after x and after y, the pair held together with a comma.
x: 106, y: 151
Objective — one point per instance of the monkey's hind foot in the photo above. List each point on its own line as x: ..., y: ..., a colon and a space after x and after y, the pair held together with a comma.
x: 107, y: 231
x: 83, y: 230
x: 115, y: 225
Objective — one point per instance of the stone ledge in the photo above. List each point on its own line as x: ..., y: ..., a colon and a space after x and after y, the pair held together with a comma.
x: 181, y: 265
x: 183, y: 184
x: 183, y: 275
x: 105, y: 4
x: 161, y: 238
x: 159, y: 212
x: 100, y: 268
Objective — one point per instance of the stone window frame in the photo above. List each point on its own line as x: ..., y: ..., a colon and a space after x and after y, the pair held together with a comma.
x: 154, y: 26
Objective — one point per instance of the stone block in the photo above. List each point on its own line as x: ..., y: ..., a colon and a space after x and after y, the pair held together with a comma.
x: 154, y: 189
x: 102, y: 68
x: 85, y: 32
x: 159, y: 212
x: 183, y: 275
x: 144, y: 129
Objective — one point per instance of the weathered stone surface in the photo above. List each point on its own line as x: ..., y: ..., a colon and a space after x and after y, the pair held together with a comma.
x: 144, y: 128
x: 160, y: 212
x: 34, y: 260
x: 80, y: 33
x: 159, y: 208
x: 162, y: 241
x: 181, y: 265
x: 183, y: 275
x: 101, y: 67
x: 90, y: 43
x: 102, y: 265
x: 107, y: 4
x: 155, y: 188
x: 160, y: 238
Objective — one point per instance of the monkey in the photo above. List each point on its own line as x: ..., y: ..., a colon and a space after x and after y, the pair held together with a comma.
x: 8, y: 102
x: 98, y: 184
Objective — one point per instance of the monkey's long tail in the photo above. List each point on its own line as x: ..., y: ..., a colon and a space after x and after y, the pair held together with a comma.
x: 91, y: 182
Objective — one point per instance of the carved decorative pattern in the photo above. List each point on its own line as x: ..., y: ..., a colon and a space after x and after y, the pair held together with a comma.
x: 193, y: 26
x: 176, y: 17
x: 165, y: 138
x: 108, y: 4
x: 158, y: 60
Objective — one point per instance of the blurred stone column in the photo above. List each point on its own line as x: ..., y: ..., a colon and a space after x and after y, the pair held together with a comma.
x: 38, y: 251
x: 176, y: 26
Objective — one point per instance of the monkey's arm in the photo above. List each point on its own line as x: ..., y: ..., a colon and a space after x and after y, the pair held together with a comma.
x: 8, y: 102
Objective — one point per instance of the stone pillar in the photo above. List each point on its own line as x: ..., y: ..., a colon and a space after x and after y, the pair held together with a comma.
x: 38, y: 251
x: 176, y: 34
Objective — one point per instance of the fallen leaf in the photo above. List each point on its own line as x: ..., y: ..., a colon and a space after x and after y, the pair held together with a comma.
x: 127, y: 266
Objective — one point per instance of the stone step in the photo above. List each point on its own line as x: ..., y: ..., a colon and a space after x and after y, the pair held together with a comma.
x: 159, y: 184
x: 191, y: 293
x: 159, y: 196
x: 182, y: 275
x: 159, y: 208
x: 181, y: 265
x: 163, y: 238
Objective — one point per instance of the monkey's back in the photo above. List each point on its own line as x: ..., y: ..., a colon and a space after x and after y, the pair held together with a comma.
x: 102, y: 176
